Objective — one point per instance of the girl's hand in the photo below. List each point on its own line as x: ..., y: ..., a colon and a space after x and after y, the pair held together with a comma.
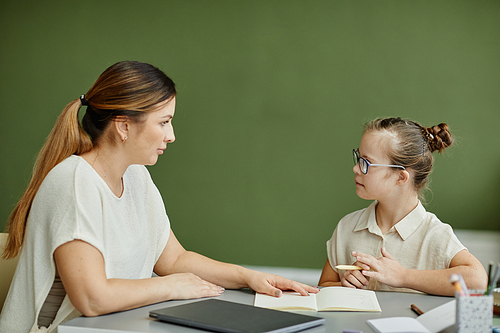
x: 385, y: 269
x: 354, y: 278
x: 273, y: 285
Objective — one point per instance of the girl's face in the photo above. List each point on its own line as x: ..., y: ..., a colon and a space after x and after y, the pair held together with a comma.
x: 379, y: 183
x: 150, y: 138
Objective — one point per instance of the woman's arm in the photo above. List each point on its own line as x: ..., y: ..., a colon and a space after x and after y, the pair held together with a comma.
x: 387, y: 270
x: 175, y: 259
x: 82, y: 271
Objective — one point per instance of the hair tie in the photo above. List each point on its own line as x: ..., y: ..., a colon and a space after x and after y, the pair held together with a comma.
x: 83, y: 100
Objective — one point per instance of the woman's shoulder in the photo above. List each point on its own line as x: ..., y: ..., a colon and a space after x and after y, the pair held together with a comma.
x: 71, y: 174
x: 137, y: 170
x: 70, y: 166
x: 65, y: 170
x: 138, y: 176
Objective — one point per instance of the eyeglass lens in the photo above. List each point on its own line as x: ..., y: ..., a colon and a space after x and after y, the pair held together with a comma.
x: 363, y: 165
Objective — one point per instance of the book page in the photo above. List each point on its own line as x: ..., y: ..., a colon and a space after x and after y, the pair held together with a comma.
x: 347, y: 299
x: 397, y: 325
x: 291, y: 301
x: 439, y: 318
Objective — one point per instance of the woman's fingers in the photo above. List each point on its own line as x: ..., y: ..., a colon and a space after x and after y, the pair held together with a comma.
x: 273, y: 285
x: 303, y: 289
x: 187, y: 286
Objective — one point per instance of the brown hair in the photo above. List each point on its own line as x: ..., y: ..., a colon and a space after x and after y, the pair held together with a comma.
x: 127, y: 88
x: 413, y: 146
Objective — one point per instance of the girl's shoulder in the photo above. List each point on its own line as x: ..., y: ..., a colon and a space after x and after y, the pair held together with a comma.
x: 358, y: 215
x: 432, y: 222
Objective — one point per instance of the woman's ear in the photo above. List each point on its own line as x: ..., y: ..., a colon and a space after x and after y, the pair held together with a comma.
x: 404, y: 177
x: 122, y: 127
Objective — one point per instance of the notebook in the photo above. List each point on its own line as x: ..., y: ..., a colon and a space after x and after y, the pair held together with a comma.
x: 431, y: 321
x: 328, y: 299
x: 223, y: 316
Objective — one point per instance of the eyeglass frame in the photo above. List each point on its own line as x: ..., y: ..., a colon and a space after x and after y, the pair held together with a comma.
x: 357, y: 157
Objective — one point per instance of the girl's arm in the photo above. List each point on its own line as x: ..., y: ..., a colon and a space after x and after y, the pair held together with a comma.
x: 387, y: 270
x: 329, y: 277
x: 175, y: 259
x: 82, y: 271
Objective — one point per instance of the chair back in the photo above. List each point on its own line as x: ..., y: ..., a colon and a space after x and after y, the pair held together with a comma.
x: 7, y: 269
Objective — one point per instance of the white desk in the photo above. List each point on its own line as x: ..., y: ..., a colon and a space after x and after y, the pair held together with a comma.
x: 138, y: 321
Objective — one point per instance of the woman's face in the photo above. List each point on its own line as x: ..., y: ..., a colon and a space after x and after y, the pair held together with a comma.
x: 149, y: 138
x: 379, y: 182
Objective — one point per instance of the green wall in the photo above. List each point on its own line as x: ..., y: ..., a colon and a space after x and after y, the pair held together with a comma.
x: 272, y: 96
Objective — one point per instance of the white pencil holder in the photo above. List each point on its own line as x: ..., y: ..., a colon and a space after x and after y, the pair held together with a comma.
x: 474, y: 314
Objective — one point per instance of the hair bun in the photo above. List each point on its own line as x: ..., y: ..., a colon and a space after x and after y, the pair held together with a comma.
x: 439, y: 137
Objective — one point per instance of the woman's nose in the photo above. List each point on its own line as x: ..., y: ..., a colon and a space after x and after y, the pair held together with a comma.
x: 170, y: 136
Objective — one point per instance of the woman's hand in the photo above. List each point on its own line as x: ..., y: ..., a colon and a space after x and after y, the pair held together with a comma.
x: 385, y: 269
x: 188, y: 286
x: 355, y: 278
x: 273, y: 285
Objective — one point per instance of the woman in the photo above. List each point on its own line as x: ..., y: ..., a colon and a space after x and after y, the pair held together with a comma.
x: 91, y: 228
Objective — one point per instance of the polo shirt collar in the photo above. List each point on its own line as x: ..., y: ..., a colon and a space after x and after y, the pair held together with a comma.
x: 404, y: 228
x: 367, y: 220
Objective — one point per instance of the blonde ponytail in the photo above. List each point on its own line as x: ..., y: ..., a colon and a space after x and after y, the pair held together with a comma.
x: 66, y: 138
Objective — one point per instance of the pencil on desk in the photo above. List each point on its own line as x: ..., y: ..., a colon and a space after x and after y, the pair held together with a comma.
x: 416, y: 310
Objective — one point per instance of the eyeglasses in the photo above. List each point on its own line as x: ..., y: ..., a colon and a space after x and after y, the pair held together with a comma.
x: 364, y: 164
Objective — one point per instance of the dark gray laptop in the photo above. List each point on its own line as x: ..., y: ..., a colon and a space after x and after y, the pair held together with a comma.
x: 223, y: 316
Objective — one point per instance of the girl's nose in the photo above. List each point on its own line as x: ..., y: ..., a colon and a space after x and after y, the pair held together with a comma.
x: 356, y: 168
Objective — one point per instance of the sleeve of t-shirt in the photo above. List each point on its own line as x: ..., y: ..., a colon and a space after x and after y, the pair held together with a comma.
x: 74, y: 202
x: 443, y: 245
x: 68, y: 206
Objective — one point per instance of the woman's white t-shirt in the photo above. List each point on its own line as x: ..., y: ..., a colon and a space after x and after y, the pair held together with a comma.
x: 74, y: 202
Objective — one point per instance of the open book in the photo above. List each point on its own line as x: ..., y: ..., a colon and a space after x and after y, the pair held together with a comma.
x: 328, y: 299
x: 432, y: 321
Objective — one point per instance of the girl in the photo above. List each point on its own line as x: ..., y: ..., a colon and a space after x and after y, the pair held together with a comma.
x: 398, y: 245
x: 91, y: 228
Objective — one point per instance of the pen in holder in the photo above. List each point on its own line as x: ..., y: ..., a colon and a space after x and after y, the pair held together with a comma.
x: 496, y: 301
x: 474, y: 313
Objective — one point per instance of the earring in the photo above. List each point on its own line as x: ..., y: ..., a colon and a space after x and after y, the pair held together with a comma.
x: 124, y: 139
